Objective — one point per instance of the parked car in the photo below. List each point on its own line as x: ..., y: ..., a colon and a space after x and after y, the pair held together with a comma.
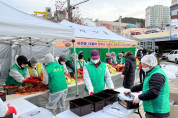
x: 173, y: 56
x: 165, y: 54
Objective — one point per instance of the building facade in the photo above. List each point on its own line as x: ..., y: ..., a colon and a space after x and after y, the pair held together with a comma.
x: 174, y: 13
x: 174, y: 2
x: 157, y: 15
x: 115, y: 27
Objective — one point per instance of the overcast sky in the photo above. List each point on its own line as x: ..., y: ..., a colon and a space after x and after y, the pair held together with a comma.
x: 96, y: 9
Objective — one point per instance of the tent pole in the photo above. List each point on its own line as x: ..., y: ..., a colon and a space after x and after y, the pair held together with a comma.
x: 30, y: 46
x: 75, y: 67
x: 53, y: 49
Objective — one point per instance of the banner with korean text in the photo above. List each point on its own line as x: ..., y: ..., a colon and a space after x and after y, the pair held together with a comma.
x: 94, y: 43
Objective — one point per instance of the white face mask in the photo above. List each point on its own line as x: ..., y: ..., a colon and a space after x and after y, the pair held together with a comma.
x: 33, y: 66
x: 62, y: 63
x: 146, y: 69
x: 95, y: 61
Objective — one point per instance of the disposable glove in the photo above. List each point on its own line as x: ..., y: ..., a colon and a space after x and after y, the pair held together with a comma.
x: 31, y: 80
x: 91, y: 91
x: 112, y: 89
x: 136, y: 100
x: 80, y: 70
x: 128, y: 91
x: 122, y: 76
x: 37, y: 78
x: 67, y: 75
x: 11, y: 110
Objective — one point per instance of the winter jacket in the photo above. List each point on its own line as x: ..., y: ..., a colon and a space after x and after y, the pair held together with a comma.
x: 155, y: 84
x: 139, y: 54
x: 129, y: 72
x: 70, y: 65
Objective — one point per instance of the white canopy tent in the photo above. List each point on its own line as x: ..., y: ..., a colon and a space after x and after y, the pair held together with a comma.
x: 20, y: 28
x: 16, y: 26
x: 99, y: 33
x: 89, y: 32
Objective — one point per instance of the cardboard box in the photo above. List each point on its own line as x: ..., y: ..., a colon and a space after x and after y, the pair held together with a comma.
x: 174, y: 108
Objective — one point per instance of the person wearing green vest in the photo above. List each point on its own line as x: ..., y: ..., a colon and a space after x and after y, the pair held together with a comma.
x: 119, y: 58
x: 70, y: 62
x: 123, y: 57
x: 108, y: 59
x: 96, y: 75
x: 35, y: 69
x: 17, y: 74
x: 155, y: 89
x: 81, y: 62
x: 62, y: 61
x: 55, y: 78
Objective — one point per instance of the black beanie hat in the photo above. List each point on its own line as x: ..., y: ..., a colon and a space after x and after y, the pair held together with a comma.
x: 22, y: 60
x: 80, y: 57
x: 144, y: 51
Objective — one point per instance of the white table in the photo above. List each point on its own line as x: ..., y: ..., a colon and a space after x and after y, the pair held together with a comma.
x: 22, y: 106
x: 101, y: 114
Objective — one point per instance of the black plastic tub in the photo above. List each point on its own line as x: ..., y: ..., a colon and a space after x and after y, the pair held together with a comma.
x: 80, y: 107
x: 113, y: 93
x: 10, y: 91
x: 97, y: 103
x: 107, y: 98
x: 8, y: 116
x: 128, y: 104
x: 3, y: 96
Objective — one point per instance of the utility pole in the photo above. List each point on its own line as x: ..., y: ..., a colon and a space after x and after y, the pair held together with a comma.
x: 170, y: 29
x: 69, y: 8
x: 69, y: 11
x: 56, y: 15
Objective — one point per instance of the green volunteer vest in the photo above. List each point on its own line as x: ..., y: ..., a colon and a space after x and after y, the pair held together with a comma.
x: 57, y: 81
x: 70, y: 59
x: 83, y: 63
x: 123, y: 60
x: 161, y: 103
x: 10, y: 80
x: 118, y: 60
x: 97, y: 76
x: 105, y: 60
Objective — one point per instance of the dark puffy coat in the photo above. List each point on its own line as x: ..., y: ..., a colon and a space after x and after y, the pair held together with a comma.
x: 129, y: 72
x: 139, y: 54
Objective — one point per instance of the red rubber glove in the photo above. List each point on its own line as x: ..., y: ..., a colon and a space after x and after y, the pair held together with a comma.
x: 80, y: 70
x: 29, y: 80
x: 127, y: 91
x: 138, y: 57
x: 37, y: 78
x: 91, y: 93
x: 67, y: 75
x: 140, y: 67
x: 112, y: 89
x: 11, y: 110
x: 41, y: 76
